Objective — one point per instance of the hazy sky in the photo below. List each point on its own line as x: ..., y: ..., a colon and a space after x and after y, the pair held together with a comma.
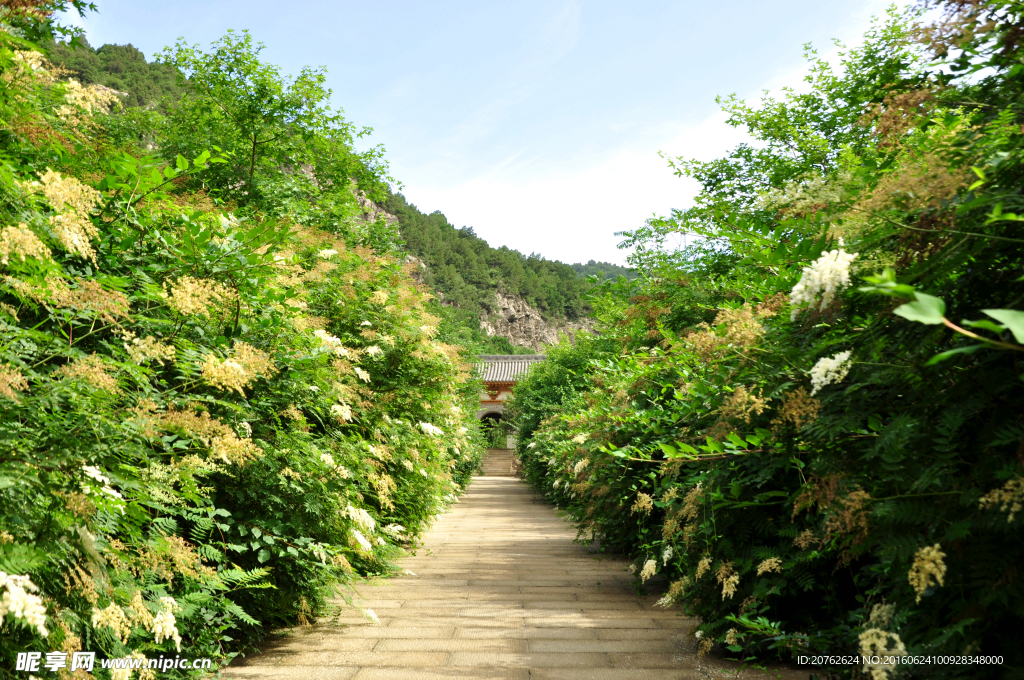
x: 538, y: 123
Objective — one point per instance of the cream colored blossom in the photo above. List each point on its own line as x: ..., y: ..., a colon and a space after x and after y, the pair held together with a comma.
x: 644, y: 503
x: 19, y: 602
x: 363, y: 375
x: 328, y: 459
x: 728, y: 578
x: 373, y: 350
x: 829, y: 370
x: 379, y: 297
x: 928, y: 567
x: 1009, y: 498
x: 327, y: 253
x: 11, y: 382
x: 730, y: 637
x: 703, y: 567
x: 650, y: 567
x: 666, y: 555
x: 342, y: 412
x: 432, y: 430
x: 769, y: 565
x: 369, y: 613
x: 112, y: 617
x: 362, y: 518
x: 230, y: 449
x: 22, y: 243
x: 580, y: 438
x: 881, y: 614
x: 164, y: 623
x: 194, y: 297
x: 144, y: 350
x: 92, y: 370
x: 361, y: 545
x: 824, y: 278
x: 225, y: 374
x: 580, y: 465
x: 73, y: 202
x: 675, y: 592
x: 875, y: 646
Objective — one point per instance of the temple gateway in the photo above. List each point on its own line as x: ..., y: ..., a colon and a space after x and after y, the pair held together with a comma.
x: 499, y: 373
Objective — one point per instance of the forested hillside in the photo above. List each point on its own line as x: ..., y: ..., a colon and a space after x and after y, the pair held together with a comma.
x: 466, y: 271
x: 605, y: 270
x: 811, y: 423
x: 119, y: 67
x: 222, y: 395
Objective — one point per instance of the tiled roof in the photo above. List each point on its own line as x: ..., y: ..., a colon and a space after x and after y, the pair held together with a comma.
x: 505, y: 368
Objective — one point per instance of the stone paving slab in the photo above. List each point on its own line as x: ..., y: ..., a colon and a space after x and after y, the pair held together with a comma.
x: 498, y: 591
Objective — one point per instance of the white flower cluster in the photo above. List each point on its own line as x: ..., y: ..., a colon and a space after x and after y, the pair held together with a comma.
x: 363, y: 375
x: 342, y: 412
x: 829, y: 370
x: 369, y: 613
x: 164, y: 623
x: 666, y: 554
x: 874, y: 645
x: 824, y: 278
x: 331, y: 342
x: 393, y: 530
x: 362, y: 518
x: 373, y: 350
x: 327, y: 459
x: 580, y: 465
x: 95, y: 473
x: 327, y: 253
x: 432, y: 430
x: 363, y: 545
x: 650, y: 566
x: 19, y: 602
x: 580, y: 438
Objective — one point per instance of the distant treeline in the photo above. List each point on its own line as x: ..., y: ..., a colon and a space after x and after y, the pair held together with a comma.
x: 122, y: 68
x: 606, y: 270
x: 467, y: 271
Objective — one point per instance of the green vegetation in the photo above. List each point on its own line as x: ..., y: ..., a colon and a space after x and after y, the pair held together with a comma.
x: 810, y: 422
x: 466, y: 272
x: 604, y: 270
x: 221, y: 394
x: 119, y: 67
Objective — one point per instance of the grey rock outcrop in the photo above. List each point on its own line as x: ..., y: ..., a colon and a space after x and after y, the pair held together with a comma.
x: 523, y: 325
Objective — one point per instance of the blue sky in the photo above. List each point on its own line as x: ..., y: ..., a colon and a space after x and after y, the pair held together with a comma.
x: 538, y: 123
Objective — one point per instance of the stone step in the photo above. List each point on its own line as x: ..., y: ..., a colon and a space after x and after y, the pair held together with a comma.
x: 497, y: 463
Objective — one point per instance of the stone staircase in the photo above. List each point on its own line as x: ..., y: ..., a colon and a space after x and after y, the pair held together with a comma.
x: 497, y: 463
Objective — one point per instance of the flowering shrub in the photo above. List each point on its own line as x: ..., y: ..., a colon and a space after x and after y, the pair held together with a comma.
x: 210, y: 418
x: 842, y: 476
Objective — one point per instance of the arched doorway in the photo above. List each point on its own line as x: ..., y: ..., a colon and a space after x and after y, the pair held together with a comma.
x: 494, y: 430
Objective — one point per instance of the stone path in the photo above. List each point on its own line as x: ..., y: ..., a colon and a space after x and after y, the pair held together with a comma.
x: 500, y: 591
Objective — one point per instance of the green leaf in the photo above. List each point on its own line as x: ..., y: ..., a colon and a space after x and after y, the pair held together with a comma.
x: 984, y: 324
x: 263, y: 555
x: 969, y: 349
x: 20, y: 559
x: 181, y: 163
x: 926, y: 309
x: 1013, y: 319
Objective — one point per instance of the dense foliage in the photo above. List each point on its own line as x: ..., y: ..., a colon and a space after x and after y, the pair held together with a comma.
x: 119, y: 67
x: 788, y: 420
x: 466, y: 271
x: 222, y: 395
x: 604, y: 270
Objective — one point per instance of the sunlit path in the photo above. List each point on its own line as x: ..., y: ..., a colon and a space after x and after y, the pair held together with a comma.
x: 500, y: 591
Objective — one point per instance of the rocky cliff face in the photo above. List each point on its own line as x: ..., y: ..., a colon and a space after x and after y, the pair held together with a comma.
x: 523, y: 325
